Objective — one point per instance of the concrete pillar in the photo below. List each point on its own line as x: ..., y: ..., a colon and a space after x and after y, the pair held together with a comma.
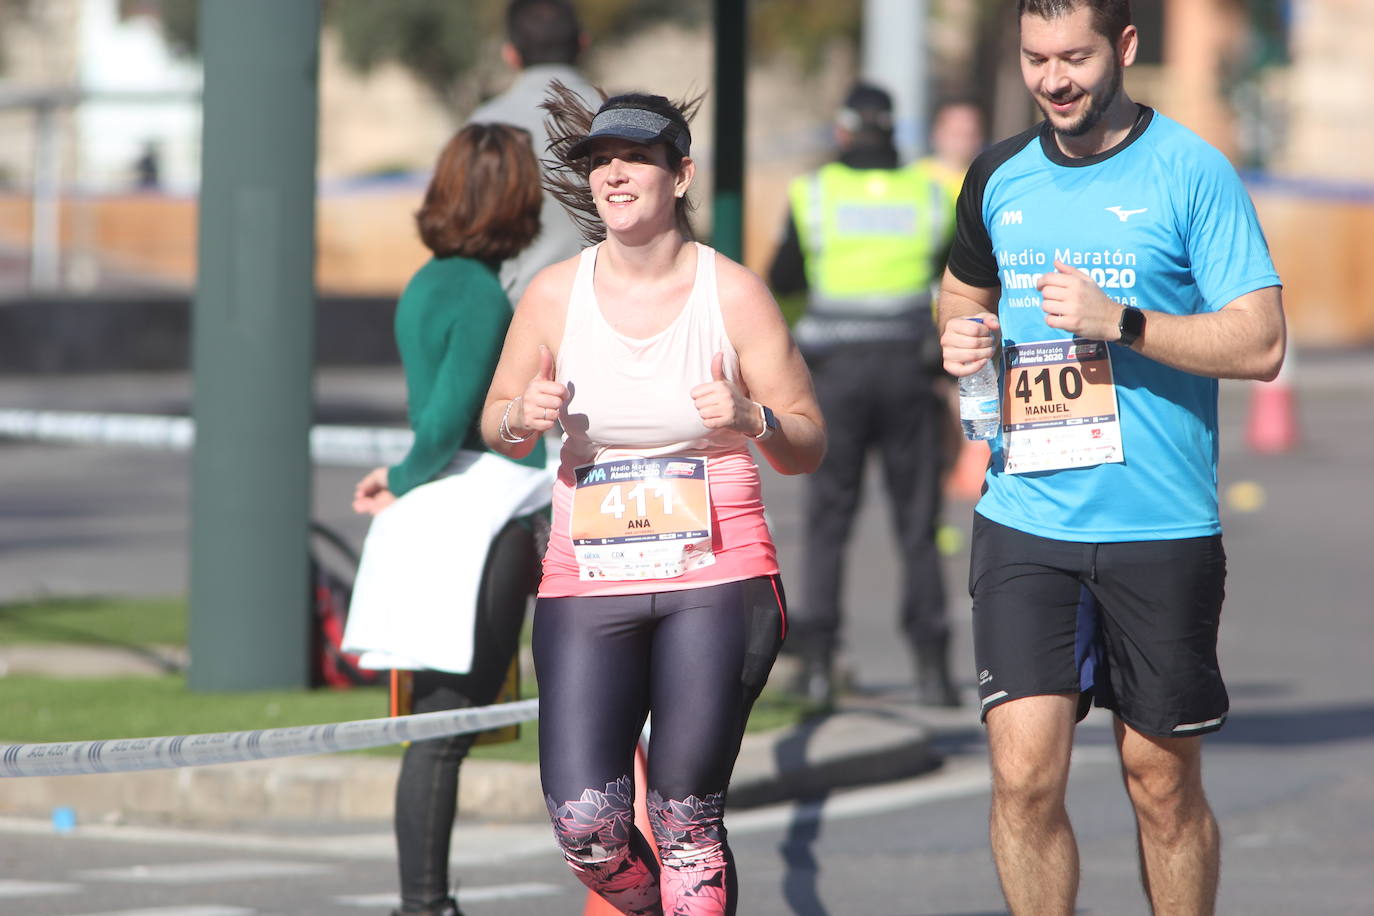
x: 252, y: 346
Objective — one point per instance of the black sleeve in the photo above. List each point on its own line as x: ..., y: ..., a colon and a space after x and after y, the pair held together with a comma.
x: 787, y: 273
x: 971, y: 258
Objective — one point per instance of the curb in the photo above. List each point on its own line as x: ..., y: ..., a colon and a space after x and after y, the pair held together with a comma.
x: 77, y: 661
x: 336, y: 788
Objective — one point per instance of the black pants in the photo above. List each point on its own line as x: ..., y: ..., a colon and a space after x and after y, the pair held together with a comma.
x: 883, y: 397
x: 695, y: 658
x: 1129, y: 626
x: 427, y: 789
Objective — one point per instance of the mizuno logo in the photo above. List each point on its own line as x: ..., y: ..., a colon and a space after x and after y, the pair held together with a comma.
x: 1124, y: 215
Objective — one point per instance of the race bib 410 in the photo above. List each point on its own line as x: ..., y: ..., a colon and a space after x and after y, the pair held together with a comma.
x: 1059, y: 406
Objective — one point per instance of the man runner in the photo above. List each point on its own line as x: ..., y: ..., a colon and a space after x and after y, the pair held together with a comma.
x: 1122, y: 263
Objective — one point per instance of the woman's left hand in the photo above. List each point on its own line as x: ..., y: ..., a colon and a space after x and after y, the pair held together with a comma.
x: 373, y: 494
x: 721, y: 405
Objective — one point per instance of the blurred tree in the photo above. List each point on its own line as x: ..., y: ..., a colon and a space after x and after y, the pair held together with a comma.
x: 1271, y: 21
x: 11, y: 11
x: 612, y: 20
x: 436, y: 40
x: 804, y: 26
x: 441, y: 41
x: 178, y: 19
x: 1247, y: 83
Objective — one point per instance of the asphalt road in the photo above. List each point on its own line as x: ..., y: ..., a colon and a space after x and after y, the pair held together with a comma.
x: 1289, y: 776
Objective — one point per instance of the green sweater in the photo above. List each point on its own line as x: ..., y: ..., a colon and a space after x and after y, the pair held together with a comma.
x: 451, y: 321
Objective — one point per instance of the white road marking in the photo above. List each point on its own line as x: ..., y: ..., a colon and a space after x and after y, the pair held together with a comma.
x: 203, y: 872
x: 494, y: 843
x: 465, y: 895
x: 181, y: 911
x: 11, y: 888
x: 507, y: 892
x: 480, y: 845
x: 1273, y: 840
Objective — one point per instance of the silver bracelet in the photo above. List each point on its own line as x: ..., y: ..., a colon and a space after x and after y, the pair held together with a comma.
x: 503, y: 429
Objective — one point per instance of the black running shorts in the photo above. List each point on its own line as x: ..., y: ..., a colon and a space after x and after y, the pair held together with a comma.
x: 1130, y: 626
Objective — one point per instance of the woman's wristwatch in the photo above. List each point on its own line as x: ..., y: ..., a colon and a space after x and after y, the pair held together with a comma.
x: 770, y: 425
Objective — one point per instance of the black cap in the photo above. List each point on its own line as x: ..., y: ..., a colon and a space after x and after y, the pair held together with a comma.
x: 638, y: 125
x: 866, y: 107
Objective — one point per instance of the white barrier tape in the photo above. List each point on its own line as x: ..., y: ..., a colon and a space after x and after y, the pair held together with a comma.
x: 359, y: 446
x: 174, y: 433
x: 122, y: 755
x: 348, y: 446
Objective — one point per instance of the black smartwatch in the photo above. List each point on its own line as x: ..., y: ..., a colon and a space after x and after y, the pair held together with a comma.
x: 770, y: 424
x: 1131, y: 325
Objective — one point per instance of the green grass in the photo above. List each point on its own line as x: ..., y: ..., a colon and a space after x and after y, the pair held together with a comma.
x: 95, y: 621
x: 40, y: 710
x: 44, y: 709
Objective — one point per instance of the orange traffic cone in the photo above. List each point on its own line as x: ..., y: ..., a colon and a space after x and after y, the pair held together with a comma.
x: 965, y: 480
x: 596, y: 904
x: 1273, y: 421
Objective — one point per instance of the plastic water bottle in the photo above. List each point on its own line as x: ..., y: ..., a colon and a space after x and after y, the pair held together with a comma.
x: 980, y: 406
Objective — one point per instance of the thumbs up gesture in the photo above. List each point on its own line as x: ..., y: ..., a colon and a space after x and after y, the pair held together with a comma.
x: 720, y: 404
x: 543, y: 396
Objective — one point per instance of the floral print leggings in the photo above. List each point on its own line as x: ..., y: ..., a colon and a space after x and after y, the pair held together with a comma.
x: 696, y: 659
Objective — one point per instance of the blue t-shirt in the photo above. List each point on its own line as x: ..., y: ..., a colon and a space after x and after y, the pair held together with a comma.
x: 1160, y: 222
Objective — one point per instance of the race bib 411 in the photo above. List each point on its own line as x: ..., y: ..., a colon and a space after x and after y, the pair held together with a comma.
x: 641, y: 518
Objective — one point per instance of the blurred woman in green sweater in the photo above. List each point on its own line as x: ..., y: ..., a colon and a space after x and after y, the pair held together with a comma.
x: 450, y: 557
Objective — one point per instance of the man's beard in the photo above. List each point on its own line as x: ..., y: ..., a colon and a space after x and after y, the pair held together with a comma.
x: 1096, y: 109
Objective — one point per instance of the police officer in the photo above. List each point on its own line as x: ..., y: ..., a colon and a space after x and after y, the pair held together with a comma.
x: 865, y: 237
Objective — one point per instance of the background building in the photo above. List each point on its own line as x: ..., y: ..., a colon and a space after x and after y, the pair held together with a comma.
x: 1278, y: 85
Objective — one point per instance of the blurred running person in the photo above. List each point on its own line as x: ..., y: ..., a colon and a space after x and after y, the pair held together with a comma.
x: 956, y: 137
x: 450, y: 562
x: 1122, y: 263
x: 663, y: 360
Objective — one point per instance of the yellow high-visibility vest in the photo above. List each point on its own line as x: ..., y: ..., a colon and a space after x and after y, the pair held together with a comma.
x: 869, y: 237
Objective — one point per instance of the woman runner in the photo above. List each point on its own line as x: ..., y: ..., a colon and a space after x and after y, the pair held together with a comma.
x: 662, y: 360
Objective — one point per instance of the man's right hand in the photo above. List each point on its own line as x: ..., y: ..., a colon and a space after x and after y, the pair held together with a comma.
x: 967, y: 344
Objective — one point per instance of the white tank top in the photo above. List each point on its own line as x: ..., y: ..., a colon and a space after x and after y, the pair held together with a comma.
x: 629, y: 395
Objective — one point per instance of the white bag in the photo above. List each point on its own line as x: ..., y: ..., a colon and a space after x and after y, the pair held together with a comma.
x: 415, y: 596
